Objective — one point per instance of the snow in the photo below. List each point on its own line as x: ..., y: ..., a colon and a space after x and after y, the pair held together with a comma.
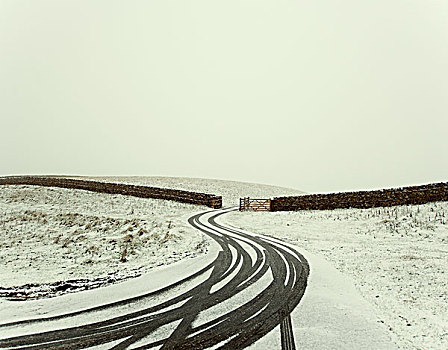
x: 49, y: 235
x: 160, y: 277
x: 376, y: 274
x: 331, y: 315
x: 397, y: 258
x: 230, y: 191
x: 52, y: 234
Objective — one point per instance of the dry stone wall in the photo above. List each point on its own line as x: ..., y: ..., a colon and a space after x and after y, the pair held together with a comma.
x: 209, y: 200
x: 364, y: 199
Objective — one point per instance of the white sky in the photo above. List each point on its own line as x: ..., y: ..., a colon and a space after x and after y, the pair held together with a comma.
x: 318, y: 95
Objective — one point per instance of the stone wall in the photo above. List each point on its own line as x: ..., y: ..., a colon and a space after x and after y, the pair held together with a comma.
x: 364, y: 199
x: 209, y: 200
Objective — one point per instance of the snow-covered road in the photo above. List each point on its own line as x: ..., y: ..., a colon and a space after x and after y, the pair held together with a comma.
x: 252, y: 286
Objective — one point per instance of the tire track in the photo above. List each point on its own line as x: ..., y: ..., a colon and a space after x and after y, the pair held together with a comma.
x: 250, y: 288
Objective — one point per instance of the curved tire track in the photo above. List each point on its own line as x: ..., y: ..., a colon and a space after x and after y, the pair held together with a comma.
x: 246, y: 263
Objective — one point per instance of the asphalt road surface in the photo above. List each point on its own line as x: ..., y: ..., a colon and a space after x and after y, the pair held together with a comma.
x: 248, y: 290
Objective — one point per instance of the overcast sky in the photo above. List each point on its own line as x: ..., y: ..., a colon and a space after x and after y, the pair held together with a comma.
x: 315, y: 95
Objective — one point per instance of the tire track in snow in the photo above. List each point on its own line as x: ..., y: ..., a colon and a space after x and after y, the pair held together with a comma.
x: 252, y: 287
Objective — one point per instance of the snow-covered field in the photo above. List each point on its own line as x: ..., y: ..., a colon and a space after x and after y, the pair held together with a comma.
x: 398, y: 258
x: 51, y: 234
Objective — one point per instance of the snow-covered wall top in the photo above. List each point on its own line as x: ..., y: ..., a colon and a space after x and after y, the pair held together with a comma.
x: 364, y: 199
x: 209, y: 200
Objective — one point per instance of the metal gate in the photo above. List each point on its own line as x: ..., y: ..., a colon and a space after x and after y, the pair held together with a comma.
x: 255, y: 204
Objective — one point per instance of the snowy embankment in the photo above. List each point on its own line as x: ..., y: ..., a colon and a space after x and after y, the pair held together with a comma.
x: 397, y: 257
x: 49, y: 235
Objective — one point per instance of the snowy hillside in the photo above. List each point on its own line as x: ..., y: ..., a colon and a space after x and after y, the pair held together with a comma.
x: 49, y: 235
x: 398, y: 258
x: 230, y: 191
x: 52, y: 234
